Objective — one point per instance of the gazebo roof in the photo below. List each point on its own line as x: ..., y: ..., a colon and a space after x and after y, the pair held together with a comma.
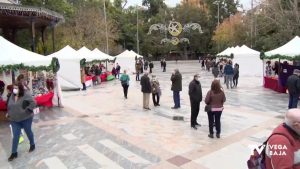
x: 19, y: 16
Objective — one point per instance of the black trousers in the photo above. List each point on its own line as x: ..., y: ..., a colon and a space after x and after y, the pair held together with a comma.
x: 235, y: 80
x: 155, y: 98
x: 137, y: 77
x: 164, y: 70
x: 195, y: 107
x: 214, y: 117
x: 125, y: 89
x: 83, y: 86
x: 150, y: 70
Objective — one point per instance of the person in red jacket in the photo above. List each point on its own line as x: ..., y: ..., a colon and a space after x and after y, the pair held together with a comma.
x: 283, y: 148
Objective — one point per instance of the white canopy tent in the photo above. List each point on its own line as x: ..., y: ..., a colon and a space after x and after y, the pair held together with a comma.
x: 69, y: 72
x: 292, y: 48
x: 226, y: 52
x: 249, y: 61
x: 101, y: 55
x: 12, y: 54
x: 127, y: 60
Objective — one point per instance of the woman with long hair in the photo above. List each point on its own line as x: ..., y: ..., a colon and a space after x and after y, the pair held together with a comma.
x: 215, y: 99
x: 20, y: 107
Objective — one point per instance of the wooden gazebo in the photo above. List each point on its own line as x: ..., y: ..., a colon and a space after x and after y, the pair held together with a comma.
x: 14, y: 17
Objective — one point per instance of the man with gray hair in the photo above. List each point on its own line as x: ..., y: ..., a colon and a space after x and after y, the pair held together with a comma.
x: 283, y: 146
x: 293, y: 85
x: 146, y: 89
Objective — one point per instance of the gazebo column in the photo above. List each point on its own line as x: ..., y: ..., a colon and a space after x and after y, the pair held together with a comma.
x: 33, y: 35
x: 53, y: 37
x: 43, y: 39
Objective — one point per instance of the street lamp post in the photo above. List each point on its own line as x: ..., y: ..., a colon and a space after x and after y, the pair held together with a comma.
x: 106, y: 32
x: 137, y: 30
x: 218, y: 3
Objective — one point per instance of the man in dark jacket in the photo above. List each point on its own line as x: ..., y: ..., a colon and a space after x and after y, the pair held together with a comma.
x: 293, y: 85
x: 146, y: 89
x: 164, y: 65
x: 176, y: 79
x: 195, y: 93
x: 118, y: 69
x: 151, y: 66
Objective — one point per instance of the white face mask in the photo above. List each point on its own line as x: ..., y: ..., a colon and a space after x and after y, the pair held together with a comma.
x: 15, y: 91
x: 197, y: 78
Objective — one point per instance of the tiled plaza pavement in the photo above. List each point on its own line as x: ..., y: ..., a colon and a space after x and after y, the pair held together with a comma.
x: 100, y: 129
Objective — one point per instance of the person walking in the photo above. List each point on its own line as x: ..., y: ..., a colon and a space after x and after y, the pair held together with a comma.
x: 20, y: 114
x: 176, y: 79
x: 195, y: 93
x: 146, y: 89
x: 203, y: 64
x: 236, y: 73
x: 82, y: 75
x: 286, y: 135
x: 156, y: 92
x: 161, y: 63
x: 164, y: 65
x: 146, y: 65
x: 125, y: 83
x: 151, y: 66
x: 215, y: 70
x: 215, y: 99
x: 137, y: 70
x: 228, y: 71
x: 118, y: 69
x: 293, y: 86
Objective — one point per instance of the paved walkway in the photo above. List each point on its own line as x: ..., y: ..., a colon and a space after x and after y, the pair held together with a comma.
x: 100, y: 129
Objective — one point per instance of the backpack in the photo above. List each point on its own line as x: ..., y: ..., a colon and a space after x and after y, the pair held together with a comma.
x: 257, y: 161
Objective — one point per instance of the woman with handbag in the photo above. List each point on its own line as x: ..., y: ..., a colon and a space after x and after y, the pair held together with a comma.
x: 125, y: 83
x: 214, y: 100
x: 20, y: 114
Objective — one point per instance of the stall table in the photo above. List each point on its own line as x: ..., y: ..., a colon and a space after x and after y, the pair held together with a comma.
x: 43, y: 100
x: 273, y: 83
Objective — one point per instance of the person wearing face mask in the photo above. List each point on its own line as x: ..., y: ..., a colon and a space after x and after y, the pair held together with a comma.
x: 20, y: 114
x: 155, y: 90
x: 283, y: 145
x: 195, y: 93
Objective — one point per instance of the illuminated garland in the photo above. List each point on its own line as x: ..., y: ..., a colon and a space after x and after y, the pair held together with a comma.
x: 54, y: 66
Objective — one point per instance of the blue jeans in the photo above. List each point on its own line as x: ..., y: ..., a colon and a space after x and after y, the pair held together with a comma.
x: 176, y: 98
x: 16, y: 129
x: 293, y: 101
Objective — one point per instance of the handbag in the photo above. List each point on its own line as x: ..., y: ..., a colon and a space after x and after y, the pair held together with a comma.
x: 207, y: 108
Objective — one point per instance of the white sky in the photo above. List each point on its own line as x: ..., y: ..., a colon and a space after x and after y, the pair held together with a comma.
x: 172, y: 3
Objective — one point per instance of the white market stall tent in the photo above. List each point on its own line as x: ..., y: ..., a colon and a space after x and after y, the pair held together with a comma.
x: 11, y: 54
x: 102, y: 55
x: 249, y: 61
x: 226, y: 52
x: 127, y: 61
x: 69, y: 73
x: 292, y: 49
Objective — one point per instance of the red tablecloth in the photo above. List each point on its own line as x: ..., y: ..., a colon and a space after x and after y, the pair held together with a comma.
x: 45, y: 100
x: 87, y: 78
x: 103, y: 77
x: 273, y: 84
x: 2, y: 105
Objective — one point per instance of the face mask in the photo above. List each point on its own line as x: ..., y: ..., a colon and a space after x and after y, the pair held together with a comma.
x: 197, y: 78
x: 16, y: 91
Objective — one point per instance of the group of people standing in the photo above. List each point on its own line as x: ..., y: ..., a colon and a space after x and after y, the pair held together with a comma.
x: 224, y: 68
x: 141, y: 66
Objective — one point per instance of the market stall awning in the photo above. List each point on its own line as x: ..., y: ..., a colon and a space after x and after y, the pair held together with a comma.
x: 11, y: 54
x: 102, y: 55
x: 66, y: 53
x: 290, y: 49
